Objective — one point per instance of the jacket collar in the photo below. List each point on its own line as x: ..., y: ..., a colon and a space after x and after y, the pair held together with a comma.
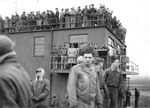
x: 90, y: 70
x: 7, y: 57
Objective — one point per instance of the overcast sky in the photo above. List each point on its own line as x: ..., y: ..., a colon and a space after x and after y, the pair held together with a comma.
x: 133, y: 14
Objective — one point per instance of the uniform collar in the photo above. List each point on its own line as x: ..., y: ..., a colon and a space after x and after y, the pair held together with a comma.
x: 7, y: 56
x: 88, y: 70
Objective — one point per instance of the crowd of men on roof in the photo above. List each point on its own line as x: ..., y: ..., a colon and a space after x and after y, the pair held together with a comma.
x: 66, y: 18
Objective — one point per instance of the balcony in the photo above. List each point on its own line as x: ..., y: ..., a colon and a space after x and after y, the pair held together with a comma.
x: 131, y: 69
x: 62, y: 64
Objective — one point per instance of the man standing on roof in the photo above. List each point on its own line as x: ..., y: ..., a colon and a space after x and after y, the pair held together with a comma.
x: 83, y: 85
x: 40, y: 89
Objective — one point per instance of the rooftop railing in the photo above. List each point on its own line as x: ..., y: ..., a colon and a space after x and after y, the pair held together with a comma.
x: 47, y: 24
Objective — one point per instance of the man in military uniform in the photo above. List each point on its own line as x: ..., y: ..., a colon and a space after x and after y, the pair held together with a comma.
x: 85, y: 16
x: 57, y: 18
x: 92, y: 15
x: 103, y: 87
x: 14, y: 80
x: 137, y: 95
x: 113, y: 80
x: 128, y: 94
x: 83, y: 85
x: 73, y: 17
x: 62, y: 19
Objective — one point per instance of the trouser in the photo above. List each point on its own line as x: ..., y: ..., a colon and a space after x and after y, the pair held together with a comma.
x: 113, y: 97
x: 67, y: 22
x: 63, y: 61
x: 136, y: 102
x: 103, y: 96
x: 85, y: 21
x: 105, y: 102
x: 127, y: 101
x: 120, y: 102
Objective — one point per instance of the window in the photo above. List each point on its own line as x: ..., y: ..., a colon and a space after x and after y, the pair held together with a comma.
x: 112, y: 46
x: 39, y: 46
x: 79, y: 38
x: 111, y: 42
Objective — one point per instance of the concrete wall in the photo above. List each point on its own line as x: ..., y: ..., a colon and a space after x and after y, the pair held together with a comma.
x: 109, y: 34
x: 25, y: 52
x: 95, y: 35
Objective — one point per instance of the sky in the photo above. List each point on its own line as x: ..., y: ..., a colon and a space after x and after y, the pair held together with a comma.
x: 133, y: 14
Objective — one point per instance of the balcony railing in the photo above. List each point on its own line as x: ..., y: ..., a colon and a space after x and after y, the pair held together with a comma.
x: 132, y: 68
x: 62, y: 63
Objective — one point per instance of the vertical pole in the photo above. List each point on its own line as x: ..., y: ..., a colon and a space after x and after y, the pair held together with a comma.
x: 16, y: 7
x: 50, y: 64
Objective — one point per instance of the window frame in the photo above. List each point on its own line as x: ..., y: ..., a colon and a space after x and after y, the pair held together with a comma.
x: 78, y: 37
x: 43, y: 44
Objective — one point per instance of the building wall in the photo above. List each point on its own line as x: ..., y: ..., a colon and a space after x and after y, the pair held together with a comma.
x: 109, y: 34
x: 25, y: 46
x: 95, y: 35
x: 25, y: 52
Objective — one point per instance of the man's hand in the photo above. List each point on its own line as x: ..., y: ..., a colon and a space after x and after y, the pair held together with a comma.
x: 37, y: 99
x: 75, y: 105
x: 33, y: 98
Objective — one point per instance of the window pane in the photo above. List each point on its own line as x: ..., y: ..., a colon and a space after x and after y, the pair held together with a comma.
x: 39, y: 46
x: 40, y: 40
x: 78, y: 38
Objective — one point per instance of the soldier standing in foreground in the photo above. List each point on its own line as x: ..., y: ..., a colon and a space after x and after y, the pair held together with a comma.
x: 14, y: 80
x: 83, y: 85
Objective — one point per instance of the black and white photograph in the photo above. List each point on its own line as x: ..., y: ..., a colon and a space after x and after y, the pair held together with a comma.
x: 74, y: 54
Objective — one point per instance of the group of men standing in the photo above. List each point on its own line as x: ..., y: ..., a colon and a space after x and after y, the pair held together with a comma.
x: 89, y: 86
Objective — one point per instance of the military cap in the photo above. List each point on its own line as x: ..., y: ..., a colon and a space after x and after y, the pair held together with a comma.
x: 98, y: 60
x: 6, y: 44
x: 86, y: 49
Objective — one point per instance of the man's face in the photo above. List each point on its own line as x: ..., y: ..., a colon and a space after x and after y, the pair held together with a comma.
x: 88, y: 58
x: 99, y: 66
x: 39, y: 73
x: 116, y: 63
